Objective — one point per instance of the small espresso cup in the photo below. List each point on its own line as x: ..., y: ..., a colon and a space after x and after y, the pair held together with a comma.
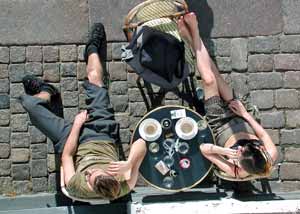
x: 186, y: 128
x: 150, y: 129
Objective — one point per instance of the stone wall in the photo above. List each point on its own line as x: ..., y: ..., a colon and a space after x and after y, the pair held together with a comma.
x: 255, y: 43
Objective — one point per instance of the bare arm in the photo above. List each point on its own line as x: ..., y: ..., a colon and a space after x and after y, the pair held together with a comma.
x: 238, y: 108
x: 132, y: 165
x: 71, y: 147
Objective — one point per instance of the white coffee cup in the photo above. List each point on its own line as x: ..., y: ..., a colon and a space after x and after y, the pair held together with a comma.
x: 186, y: 128
x: 150, y: 129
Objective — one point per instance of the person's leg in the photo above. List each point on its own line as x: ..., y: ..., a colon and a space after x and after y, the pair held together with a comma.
x: 188, y: 27
x: 54, y: 127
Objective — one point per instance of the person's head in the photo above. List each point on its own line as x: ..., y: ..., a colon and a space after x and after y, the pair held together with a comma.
x: 103, y: 183
x: 253, y: 157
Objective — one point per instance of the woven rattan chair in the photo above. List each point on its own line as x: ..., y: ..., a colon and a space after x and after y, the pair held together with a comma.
x: 161, y: 15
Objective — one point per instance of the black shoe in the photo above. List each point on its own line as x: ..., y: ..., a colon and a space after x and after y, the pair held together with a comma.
x: 97, y: 44
x: 34, y: 85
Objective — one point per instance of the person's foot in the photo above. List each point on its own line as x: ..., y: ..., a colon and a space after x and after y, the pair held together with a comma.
x: 184, y: 31
x: 96, y: 42
x: 34, y: 85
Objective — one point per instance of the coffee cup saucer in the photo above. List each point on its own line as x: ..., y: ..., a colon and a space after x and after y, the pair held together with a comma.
x: 150, y: 136
x: 190, y: 134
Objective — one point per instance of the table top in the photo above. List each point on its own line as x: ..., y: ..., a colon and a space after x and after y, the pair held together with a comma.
x: 172, y: 163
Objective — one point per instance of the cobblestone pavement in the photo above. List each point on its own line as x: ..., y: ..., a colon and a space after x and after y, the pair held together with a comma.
x: 255, y: 43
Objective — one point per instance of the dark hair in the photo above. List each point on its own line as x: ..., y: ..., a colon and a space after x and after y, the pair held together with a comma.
x: 254, y: 159
x: 107, y: 186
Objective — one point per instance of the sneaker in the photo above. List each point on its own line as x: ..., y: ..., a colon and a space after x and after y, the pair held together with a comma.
x: 34, y: 85
x: 97, y: 44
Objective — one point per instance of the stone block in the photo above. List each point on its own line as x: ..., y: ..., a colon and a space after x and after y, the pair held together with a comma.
x: 271, y: 80
x: 123, y: 120
x: 16, y: 72
x: 53, y: 182
x: 34, y: 68
x: 39, y: 151
x: 3, y: 71
x: 133, y: 121
x: 81, y: 101
x: 290, y: 171
x: 4, y: 150
x: 20, y: 172
x: 116, y: 50
x: 39, y: 184
x: 5, y: 167
x: 291, y: 79
x: 293, y: 118
x: 117, y: 71
x: 50, y: 54
x: 20, y: 140
x: 125, y: 135
x: 173, y: 102
x: 6, y: 185
x: 287, y: 98
x: 20, y: 155
x: 289, y: 62
x: 68, y: 53
x: 291, y: 16
x: 292, y: 154
x: 289, y: 136
x: 239, y: 82
x: 274, y: 134
x: 264, y: 44
x: 290, y: 44
x: 36, y: 136
x: 131, y: 80
x: 50, y: 146
x: 70, y: 99
x: 39, y: 168
x: 68, y: 69
x: 69, y: 84
x: 16, y: 107
x: 4, y: 117
x: 223, y: 47
x: 263, y: 99
x: 81, y: 71
x: 137, y: 109
x: 22, y: 187
x: 16, y: 90
x: 53, y: 162
x: 80, y: 52
x: 17, y: 54
x: 34, y: 54
x: 109, y: 52
x: 51, y: 72
x: 239, y: 54
x: 67, y: 24
x: 135, y: 95
x: 119, y: 102
x: 224, y: 64
x: 19, y: 122
x: 260, y: 62
x: 4, y: 101
x: 273, y: 119
x: 4, y: 134
x: 119, y: 88
x: 4, y: 85
x: 70, y: 113
x: 4, y: 55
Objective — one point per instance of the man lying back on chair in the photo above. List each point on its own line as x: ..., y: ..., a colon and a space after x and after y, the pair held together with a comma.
x: 90, y: 157
x: 243, y: 146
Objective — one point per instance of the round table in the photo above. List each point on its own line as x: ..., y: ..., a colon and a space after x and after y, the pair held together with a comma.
x: 186, y: 168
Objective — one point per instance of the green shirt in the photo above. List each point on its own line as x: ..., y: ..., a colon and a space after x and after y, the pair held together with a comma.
x: 93, y: 155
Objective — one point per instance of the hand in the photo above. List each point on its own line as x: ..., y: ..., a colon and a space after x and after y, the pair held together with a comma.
x: 81, y: 118
x: 120, y: 168
x: 230, y: 153
x: 238, y: 108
